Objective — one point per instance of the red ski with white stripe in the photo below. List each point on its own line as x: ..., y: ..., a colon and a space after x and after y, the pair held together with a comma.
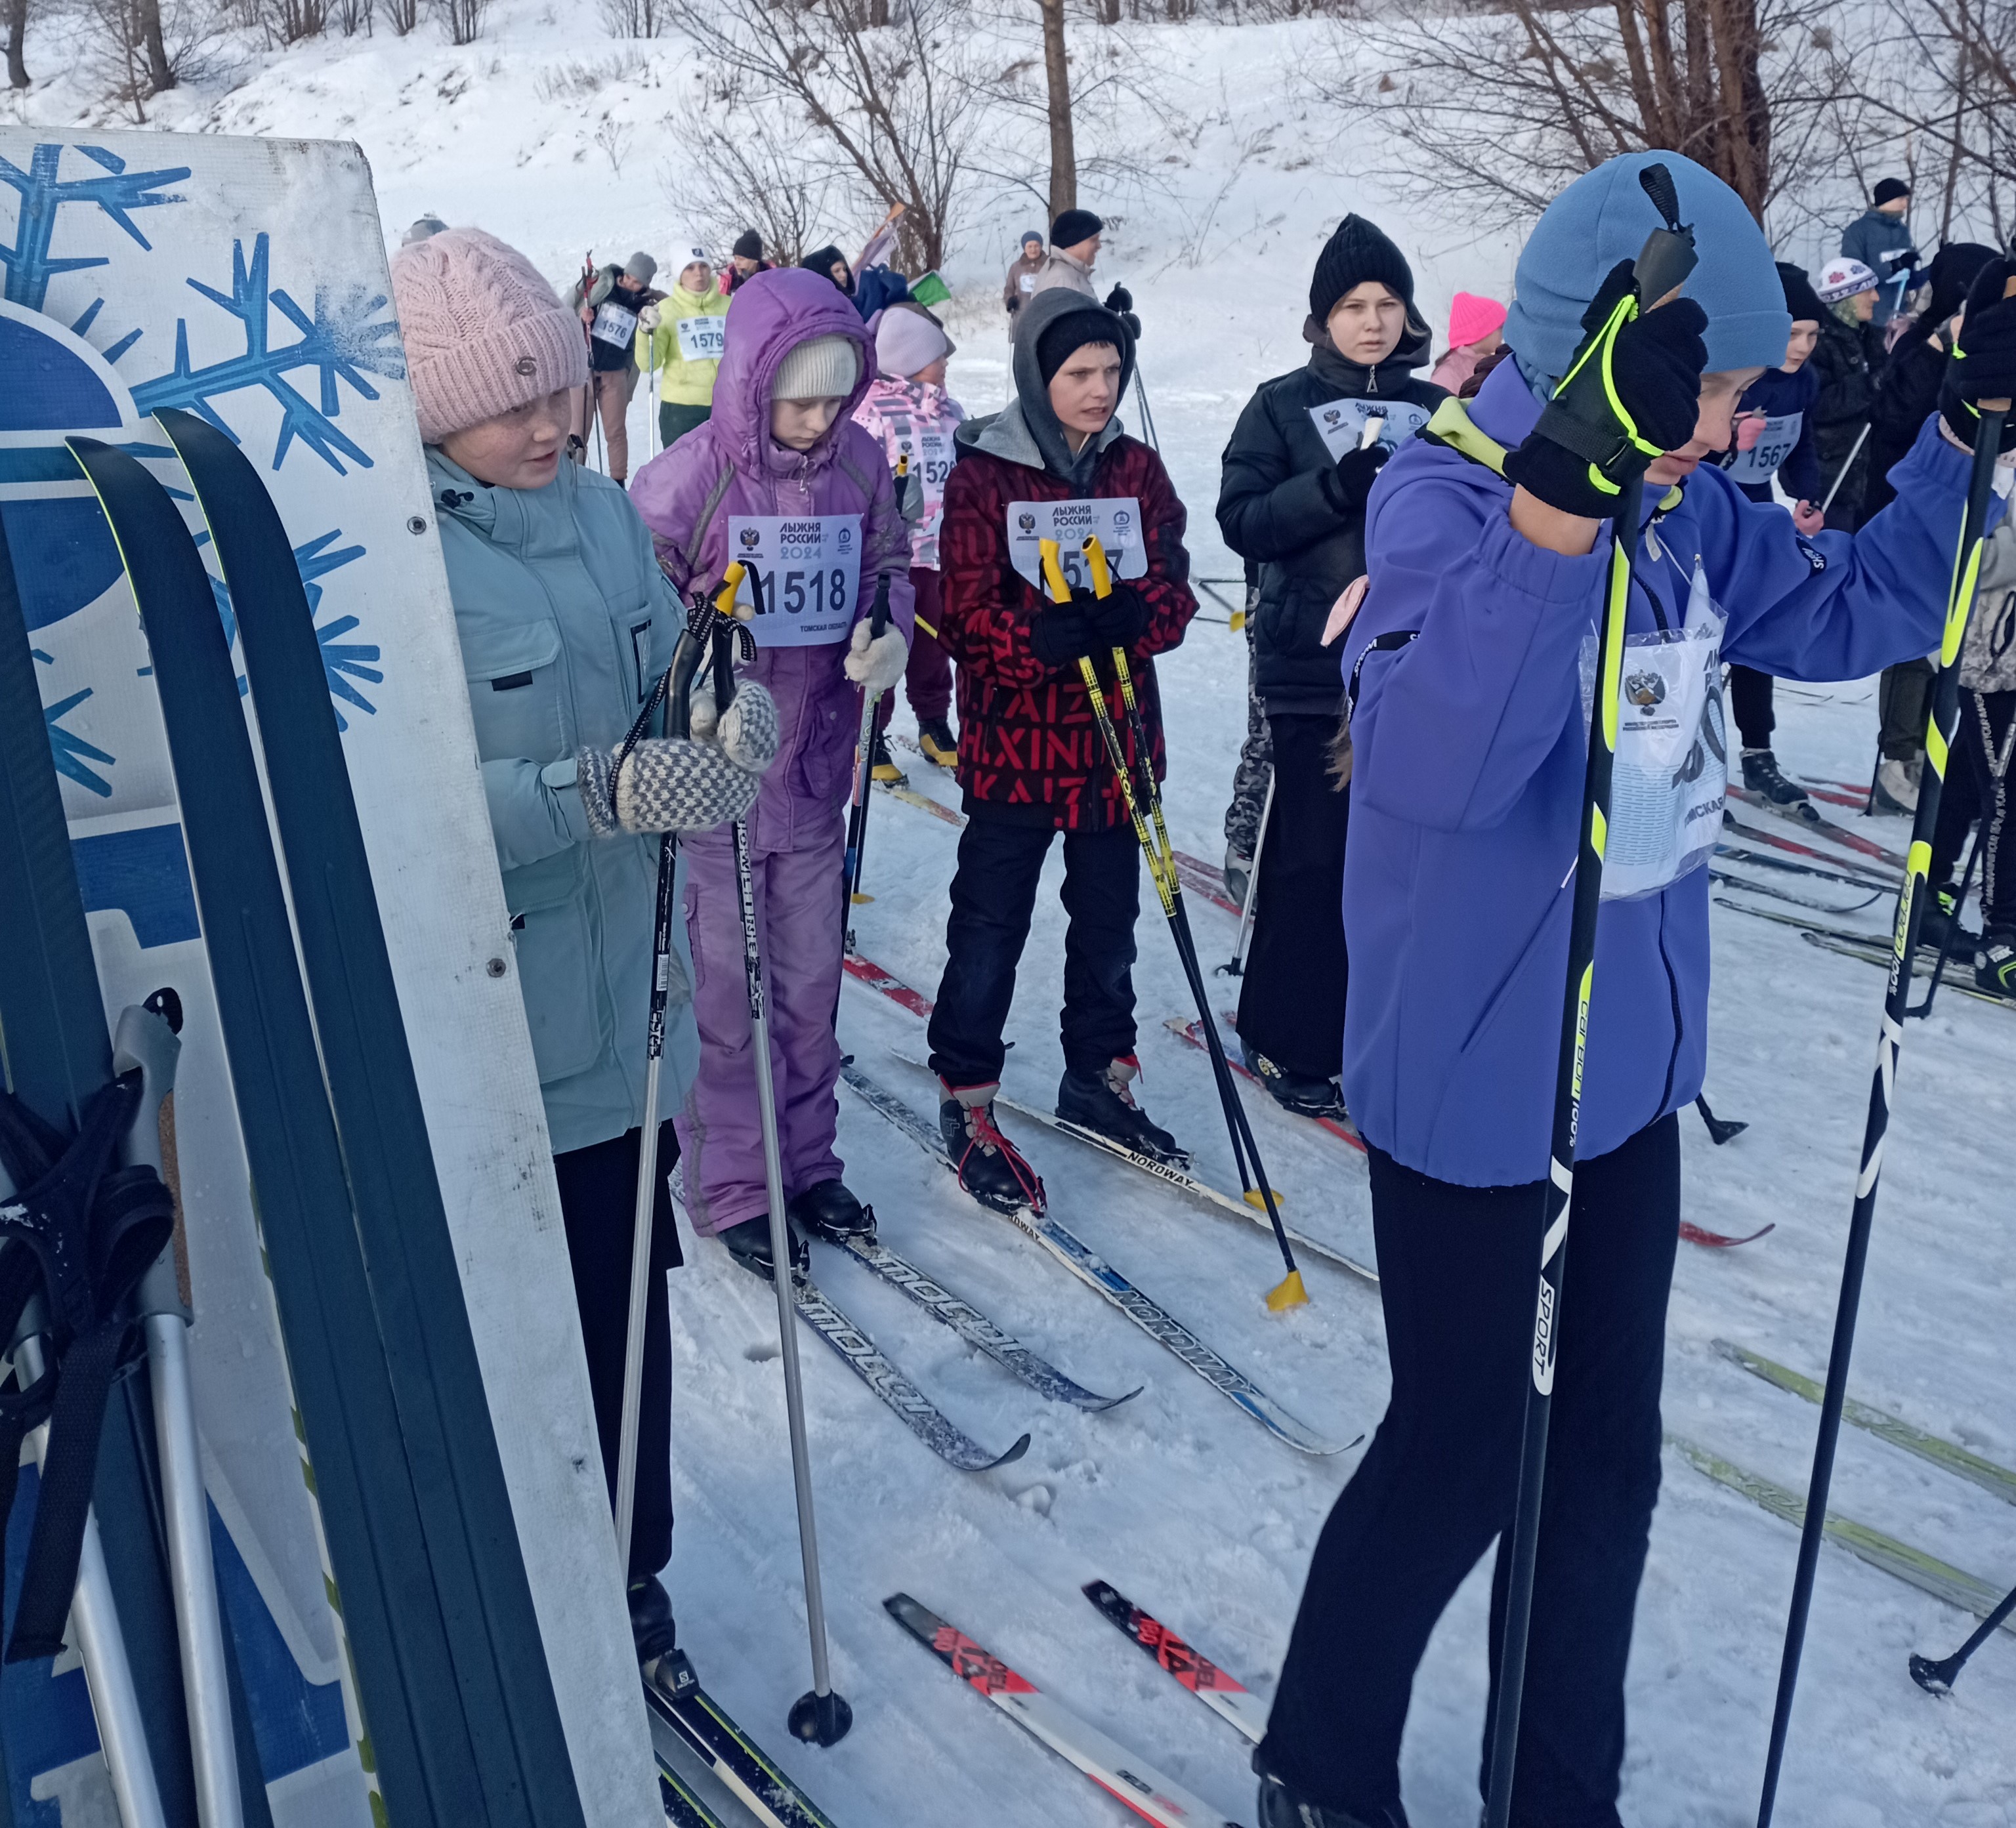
x: 1228, y: 1699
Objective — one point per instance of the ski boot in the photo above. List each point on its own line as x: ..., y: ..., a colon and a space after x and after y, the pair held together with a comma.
x: 935, y: 739
x: 1941, y: 916
x: 1279, y: 1807
x: 653, y: 1628
x: 1762, y: 774
x: 1302, y: 1093
x: 1995, y: 963
x: 990, y: 1168
x: 829, y: 1210
x: 1100, y: 1101
x: 1897, y: 785
x: 749, y: 1245
x: 1238, y: 873
x: 881, y: 764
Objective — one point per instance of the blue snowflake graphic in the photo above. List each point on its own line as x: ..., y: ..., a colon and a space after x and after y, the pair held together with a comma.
x: 346, y: 338
x: 29, y: 263
x: 314, y: 562
x: 74, y: 755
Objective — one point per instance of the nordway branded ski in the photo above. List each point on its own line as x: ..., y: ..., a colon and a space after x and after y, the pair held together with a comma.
x: 1228, y: 1699
x: 976, y: 1329
x: 1941, y: 1452
x: 915, y: 1410
x: 1180, y: 1178
x: 1119, y: 1772
x: 1096, y: 1273
x: 1779, y: 841
x: 1900, y: 1560
x: 1807, y: 815
x: 1878, y: 952
x: 1759, y: 860
x: 679, y: 1705
x: 1192, y: 1033
x: 1731, y: 879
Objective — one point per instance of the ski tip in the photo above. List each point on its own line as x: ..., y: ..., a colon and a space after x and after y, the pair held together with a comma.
x: 1694, y: 1234
x: 1113, y: 1402
x: 1012, y: 1455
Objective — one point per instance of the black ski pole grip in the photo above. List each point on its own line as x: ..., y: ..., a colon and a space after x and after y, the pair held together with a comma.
x: 1669, y: 255
x: 878, y: 614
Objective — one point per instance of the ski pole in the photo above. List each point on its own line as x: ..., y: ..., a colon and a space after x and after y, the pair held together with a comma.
x: 1664, y: 262
x: 651, y: 392
x: 1290, y: 1293
x: 1939, y: 730
x: 822, y: 1716
x: 1924, y: 1006
x: 1720, y: 1130
x: 1236, y: 968
x: 673, y: 692
x: 1147, y: 417
x: 864, y: 756
x: 1847, y: 464
x: 1936, y: 1678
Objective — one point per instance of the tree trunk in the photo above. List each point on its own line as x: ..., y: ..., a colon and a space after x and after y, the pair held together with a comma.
x: 1056, y: 74
x: 161, y: 72
x: 17, y: 27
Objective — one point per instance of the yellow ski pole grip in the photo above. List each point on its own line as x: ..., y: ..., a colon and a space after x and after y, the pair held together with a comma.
x: 1053, y: 572
x: 1102, y: 573
x: 731, y: 581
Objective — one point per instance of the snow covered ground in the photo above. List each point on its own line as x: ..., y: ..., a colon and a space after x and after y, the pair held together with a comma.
x: 1176, y: 1498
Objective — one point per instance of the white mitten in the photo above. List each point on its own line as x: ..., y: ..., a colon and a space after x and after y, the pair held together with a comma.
x: 876, y: 662
x: 647, y: 318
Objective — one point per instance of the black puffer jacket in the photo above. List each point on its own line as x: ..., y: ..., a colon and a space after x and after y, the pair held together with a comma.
x: 1272, y: 509
x: 1847, y: 388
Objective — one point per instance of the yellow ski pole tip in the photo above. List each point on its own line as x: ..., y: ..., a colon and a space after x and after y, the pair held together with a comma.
x: 1289, y: 1294
x: 1258, y: 1201
x: 858, y: 899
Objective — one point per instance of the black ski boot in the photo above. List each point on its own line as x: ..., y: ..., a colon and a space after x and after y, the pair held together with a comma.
x: 1100, y: 1101
x: 990, y: 1167
x: 653, y: 1628
x: 1304, y: 1095
x: 1762, y: 774
x: 829, y: 1210
x: 1279, y: 1807
x: 935, y: 739
x: 1995, y: 961
x: 1941, y: 912
x: 749, y: 1244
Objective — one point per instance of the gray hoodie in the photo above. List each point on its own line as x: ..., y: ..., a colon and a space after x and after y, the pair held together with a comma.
x: 1027, y: 431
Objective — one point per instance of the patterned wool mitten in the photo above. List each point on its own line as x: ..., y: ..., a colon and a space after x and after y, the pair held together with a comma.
x: 679, y: 783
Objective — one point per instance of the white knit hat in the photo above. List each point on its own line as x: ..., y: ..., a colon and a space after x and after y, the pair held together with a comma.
x: 485, y: 333
x: 821, y: 368
x: 687, y: 249
x: 1844, y: 278
x: 907, y: 341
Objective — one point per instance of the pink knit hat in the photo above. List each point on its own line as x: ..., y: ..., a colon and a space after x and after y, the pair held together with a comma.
x: 484, y: 334
x: 1472, y: 319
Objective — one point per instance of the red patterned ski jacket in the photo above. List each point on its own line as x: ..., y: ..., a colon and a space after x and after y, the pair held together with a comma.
x: 1028, y: 748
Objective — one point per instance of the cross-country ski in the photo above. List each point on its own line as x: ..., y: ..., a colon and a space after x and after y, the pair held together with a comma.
x: 691, y: 689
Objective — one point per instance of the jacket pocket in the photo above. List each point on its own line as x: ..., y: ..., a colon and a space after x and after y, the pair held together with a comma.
x: 516, y: 695
x: 556, y: 959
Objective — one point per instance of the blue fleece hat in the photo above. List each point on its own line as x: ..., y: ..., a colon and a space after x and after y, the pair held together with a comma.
x: 1604, y: 217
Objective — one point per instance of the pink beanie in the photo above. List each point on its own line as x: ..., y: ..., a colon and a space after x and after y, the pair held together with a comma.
x: 485, y: 333
x: 1472, y: 319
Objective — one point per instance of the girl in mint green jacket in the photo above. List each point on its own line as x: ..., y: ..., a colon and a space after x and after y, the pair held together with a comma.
x: 681, y: 337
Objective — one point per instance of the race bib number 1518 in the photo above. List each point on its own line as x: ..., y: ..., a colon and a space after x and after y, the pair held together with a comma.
x: 810, y: 565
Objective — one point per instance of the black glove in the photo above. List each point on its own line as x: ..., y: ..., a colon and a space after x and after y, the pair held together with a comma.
x: 1906, y: 261
x: 1983, y: 364
x: 1120, y: 618
x: 1119, y: 300
x: 1656, y: 363
x: 1062, y: 634
x: 1347, y: 485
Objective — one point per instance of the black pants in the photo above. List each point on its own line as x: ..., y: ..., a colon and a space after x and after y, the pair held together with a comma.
x: 1750, y: 703
x: 1977, y: 787
x: 993, y: 895
x: 1456, y: 1268
x: 1903, y: 701
x: 675, y: 421
x: 598, y: 1202
x: 1291, y: 1003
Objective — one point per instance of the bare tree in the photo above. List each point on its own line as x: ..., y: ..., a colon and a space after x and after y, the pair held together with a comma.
x: 613, y: 137
x: 1056, y: 83
x: 463, y: 18
x: 1509, y: 106
x: 141, y: 48
x: 885, y: 103
x: 402, y: 15
x: 16, y: 14
x: 633, y: 18
x: 758, y: 177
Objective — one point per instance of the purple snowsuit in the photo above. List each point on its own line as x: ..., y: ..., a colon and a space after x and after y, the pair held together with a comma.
x: 1469, y: 744
x: 731, y: 466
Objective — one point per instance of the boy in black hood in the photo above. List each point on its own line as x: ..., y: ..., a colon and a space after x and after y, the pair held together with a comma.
x: 1297, y: 475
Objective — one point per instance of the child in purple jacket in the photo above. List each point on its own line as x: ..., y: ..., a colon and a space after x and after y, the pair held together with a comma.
x: 781, y: 478
x: 1489, y: 555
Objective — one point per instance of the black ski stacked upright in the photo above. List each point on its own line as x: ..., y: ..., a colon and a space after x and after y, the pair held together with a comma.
x: 438, y: 1611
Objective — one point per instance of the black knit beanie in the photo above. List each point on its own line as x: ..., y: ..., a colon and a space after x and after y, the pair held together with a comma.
x: 1801, y: 300
x: 1954, y: 269
x: 1063, y: 340
x: 1357, y: 252
x: 821, y: 259
x: 1889, y: 190
x: 1073, y: 226
x: 749, y: 245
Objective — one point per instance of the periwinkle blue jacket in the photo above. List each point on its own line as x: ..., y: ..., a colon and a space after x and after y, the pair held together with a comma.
x: 1469, y: 744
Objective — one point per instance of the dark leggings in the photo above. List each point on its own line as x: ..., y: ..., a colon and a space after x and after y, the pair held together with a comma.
x: 1977, y: 787
x: 1750, y: 703
x: 598, y: 1204
x: 1458, y: 1270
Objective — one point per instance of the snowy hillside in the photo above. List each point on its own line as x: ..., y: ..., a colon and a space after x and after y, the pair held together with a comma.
x: 1175, y: 1497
